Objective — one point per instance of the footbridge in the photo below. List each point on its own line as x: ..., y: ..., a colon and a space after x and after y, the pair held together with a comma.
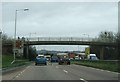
x: 102, y: 43
x: 67, y: 41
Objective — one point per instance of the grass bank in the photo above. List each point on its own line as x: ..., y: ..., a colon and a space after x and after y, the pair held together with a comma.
x: 7, y: 59
x: 105, y: 65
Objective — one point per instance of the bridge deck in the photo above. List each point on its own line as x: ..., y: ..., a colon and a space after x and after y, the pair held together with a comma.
x: 66, y: 41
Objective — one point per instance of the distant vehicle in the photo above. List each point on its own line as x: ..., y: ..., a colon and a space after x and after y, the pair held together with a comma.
x: 63, y: 58
x: 71, y: 58
x: 54, y: 58
x: 77, y: 58
x: 92, y: 57
x: 48, y: 57
x: 40, y: 59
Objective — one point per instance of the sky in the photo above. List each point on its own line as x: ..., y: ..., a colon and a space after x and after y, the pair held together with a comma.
x: 60, y: 19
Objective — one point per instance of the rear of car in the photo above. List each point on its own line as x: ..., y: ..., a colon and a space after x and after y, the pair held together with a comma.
x: 54, y: 59
x: 92, y: 57
x: 63, y: 59
x: 40, y: 59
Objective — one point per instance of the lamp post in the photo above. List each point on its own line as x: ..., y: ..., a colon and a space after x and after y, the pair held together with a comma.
x: 1, y: 43
x: 14, y: 49
x: 0, y: 34
x: 0, y: 40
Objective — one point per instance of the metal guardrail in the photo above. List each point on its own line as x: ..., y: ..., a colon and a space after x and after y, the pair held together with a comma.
x: 58, y: 39
x: 69, y: 39
x: 64, y: 39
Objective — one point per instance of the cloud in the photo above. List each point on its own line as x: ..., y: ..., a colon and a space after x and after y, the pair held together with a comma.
x: 62, y: 19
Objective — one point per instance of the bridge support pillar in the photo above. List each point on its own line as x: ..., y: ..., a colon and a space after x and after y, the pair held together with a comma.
x: 27, y: 51
x: 102, y: 53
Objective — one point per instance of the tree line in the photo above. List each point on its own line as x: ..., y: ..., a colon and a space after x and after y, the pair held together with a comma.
x: 110, y: 52
x: 8, y: 49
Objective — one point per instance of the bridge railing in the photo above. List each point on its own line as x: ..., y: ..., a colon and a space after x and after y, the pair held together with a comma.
x: 58, y: 39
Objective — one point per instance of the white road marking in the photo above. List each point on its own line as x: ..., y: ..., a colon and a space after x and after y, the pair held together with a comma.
x: 28, y: 66
x: 16, y: 76
x: 106, y: 71
x: 23, y: 70
x: 83, y: 80
x: 65, y: 71
x: 57, y: 67
x: 100, y: 69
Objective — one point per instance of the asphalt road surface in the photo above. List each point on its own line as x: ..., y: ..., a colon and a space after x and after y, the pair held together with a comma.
x: 60, y: 72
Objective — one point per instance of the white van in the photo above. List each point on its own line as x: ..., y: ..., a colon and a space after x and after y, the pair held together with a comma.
x: 92, y: 57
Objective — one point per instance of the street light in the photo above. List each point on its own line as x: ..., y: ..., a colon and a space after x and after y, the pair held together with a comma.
x: 14, y: 50
x: 0, y: 34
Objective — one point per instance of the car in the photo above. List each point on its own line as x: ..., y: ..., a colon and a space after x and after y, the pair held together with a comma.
x: 54, y: 59
x: 77, y: 58
x: 63, y: 59
x: 40, y: 59
x: 92, y: 57
x: 48, y: 57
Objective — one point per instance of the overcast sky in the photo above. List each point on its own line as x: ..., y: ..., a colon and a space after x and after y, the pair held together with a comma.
x: 52, y: 19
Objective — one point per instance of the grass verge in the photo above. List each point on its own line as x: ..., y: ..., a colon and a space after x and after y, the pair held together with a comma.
x: 7, y: 59
x: 105, y: 65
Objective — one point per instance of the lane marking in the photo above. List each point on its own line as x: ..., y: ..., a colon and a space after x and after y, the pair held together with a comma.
x: 100, y: 69
x: 106, y: 71
x: 17, y: 76
x: 23, y: 70
x: 83, y: 80
x: 28, y: 67
x: 20, y: 73
x: 57, y: 67
x: 65, y: 71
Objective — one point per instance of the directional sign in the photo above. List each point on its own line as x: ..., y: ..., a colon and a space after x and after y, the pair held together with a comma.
x: 18, y: 44
x: 87, y: 51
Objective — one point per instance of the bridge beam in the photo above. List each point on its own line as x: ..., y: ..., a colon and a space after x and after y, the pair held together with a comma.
x: 102, y: 53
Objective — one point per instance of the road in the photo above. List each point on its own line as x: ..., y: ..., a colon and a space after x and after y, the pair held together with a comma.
x: 60, y: 72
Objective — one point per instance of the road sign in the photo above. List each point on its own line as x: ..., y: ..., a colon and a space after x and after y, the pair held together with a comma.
x: 18, y: 44
x: 87, y: 51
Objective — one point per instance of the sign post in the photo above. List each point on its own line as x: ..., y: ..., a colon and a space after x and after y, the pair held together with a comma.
x: 87, y: 52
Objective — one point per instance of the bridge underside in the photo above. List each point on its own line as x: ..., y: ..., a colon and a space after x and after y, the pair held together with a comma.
x: 68, y: 43
x: 100, y: 44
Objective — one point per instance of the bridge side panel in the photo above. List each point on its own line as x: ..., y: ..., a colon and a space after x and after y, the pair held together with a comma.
x: 102, y: 53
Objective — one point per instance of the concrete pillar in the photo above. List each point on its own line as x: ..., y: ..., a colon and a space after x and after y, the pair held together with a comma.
x: 102, y: 53
x: 27, y: 51
x: 22, y: 45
